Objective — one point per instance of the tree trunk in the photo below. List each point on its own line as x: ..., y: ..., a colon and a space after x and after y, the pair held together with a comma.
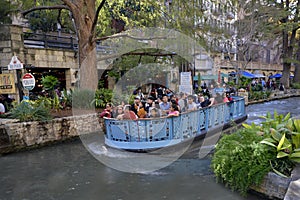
x: 297, y: 65
x: 286, y: 55
x: 84, y: 14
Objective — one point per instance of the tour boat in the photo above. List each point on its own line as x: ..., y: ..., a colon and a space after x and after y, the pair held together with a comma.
x: 155, y: 133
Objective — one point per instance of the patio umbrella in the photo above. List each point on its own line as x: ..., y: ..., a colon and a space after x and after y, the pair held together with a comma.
x: 247, y: 74
x: 276, y: 76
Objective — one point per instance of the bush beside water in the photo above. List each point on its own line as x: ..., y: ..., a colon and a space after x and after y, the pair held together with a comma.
x: 243, y: 158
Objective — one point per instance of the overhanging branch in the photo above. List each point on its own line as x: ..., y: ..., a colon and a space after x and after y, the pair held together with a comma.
x: 132, y: 37
x: 95, y: 21
x: 25, y: 12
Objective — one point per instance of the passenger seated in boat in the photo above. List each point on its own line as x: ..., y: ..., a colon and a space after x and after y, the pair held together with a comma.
x: 119, y: 111
x: 136, y: 104
x: 174, y: 111
x: 141, y: 113
x: 149, y: 105
x: 165, y: 105
x: 204, y: 102
x: 218, y: 99
x: 107, y: 112
x: 128, y: 114
x: 225, y: 97
x: 182, y: 102
x: 154, y: 113
x: 191, y: 105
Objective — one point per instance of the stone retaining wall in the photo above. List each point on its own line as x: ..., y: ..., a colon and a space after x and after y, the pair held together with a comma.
x: 17, y: 135
x: 273, y: 186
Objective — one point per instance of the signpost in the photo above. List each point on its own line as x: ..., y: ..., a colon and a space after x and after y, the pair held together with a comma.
x: 15, y: 63
x: 28, y: 81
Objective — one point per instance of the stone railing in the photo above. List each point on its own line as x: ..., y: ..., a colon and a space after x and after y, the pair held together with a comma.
x: 16, y: 135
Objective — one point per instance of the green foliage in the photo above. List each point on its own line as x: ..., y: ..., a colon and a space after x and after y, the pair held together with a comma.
x: 83, y: 99
x: 257, y: 95
x: 244, y: 82
x: 51, y: 103
x: 49, y: 82
x: 27, y: 111
x: 102, y: 97
x: 243, y: 158
x: 66, y: 100
x: 46, y: 20
x: 6, y: 9
x: 284, y: 136
x: 46, y: 101
x: 296, y: 85
x: 240, y: 160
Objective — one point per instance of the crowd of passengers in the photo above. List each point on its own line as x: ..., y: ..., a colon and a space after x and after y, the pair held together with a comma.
x: 163, y: 102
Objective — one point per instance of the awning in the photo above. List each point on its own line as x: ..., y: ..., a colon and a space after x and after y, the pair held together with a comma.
x: 276, y: 76
x: 279, y: 76
x: 259, y: 76
x: 247, y: 74
x: 243, y: 73
x: 206, y: 77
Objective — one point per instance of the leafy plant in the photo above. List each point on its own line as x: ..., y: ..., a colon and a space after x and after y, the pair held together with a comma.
x: 49, y: 83
x: 26, y: 111
x: 83, y: 99
x: 102, y: 97
x: 295, y: 85
x: 66, y: 100
x: 284, y: 137
x: 257, y: 95
x: 240, y: 160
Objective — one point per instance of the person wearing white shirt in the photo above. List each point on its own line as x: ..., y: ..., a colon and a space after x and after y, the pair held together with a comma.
x: 2, y: 108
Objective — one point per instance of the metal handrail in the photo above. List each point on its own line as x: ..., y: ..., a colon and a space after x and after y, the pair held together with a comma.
x: 186, y: 125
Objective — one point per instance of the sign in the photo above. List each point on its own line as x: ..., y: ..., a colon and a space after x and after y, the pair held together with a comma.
x: 186, y: 83
x: 28, y: 81
x: 15, y: 63
x: 185, y: 78
x: 7, y: 84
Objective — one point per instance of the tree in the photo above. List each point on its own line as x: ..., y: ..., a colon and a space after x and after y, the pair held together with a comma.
x: 6, y: 9
x: 289, y: 25
x: 85, y: 14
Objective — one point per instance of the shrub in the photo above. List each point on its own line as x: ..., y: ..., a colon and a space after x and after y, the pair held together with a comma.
x: 26, y: 111
x: 102, y: 97
x: 295, y: 85
x: 83, y: 99
x: 242, y: 159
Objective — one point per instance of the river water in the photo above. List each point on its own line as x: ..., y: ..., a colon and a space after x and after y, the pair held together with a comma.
x: 68, y: 171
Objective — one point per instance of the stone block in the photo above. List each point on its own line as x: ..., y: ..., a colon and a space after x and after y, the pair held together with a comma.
x: 5, y: 44
x: 273, y: 186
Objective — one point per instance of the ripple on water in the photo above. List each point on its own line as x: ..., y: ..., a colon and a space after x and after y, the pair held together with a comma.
x: 101, y: 149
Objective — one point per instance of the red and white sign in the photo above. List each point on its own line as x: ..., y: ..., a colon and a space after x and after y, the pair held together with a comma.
x: 15, y: 63
x: 28, y: 81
